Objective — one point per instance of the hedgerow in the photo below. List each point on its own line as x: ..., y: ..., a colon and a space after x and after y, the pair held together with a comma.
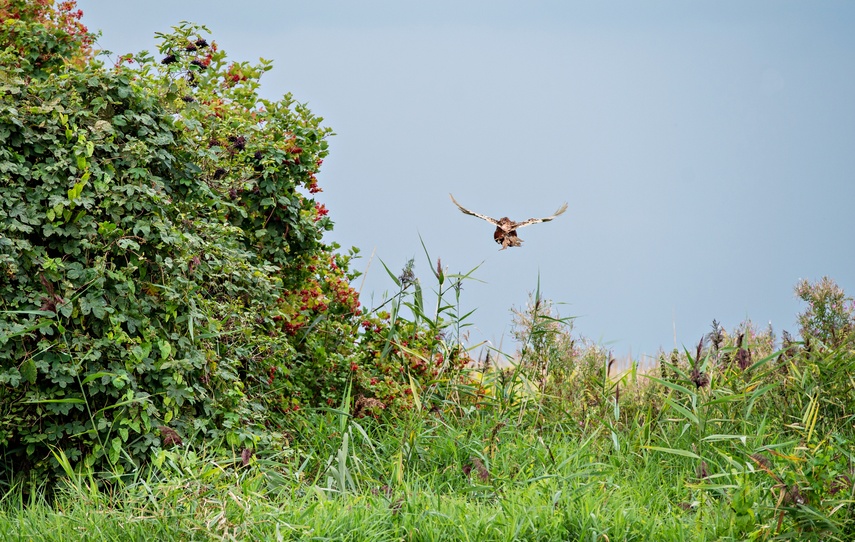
x: 162, y: 270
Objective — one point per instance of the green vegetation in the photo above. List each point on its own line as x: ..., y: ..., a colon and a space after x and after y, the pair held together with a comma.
x: 182, y: 357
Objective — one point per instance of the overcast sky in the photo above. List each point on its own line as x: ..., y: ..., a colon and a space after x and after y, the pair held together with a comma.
x: 706, y: 149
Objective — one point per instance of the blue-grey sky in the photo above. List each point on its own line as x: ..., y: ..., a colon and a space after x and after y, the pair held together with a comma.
x: 706, y: 149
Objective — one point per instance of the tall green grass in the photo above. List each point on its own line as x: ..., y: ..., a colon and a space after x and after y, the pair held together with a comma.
x: 733, y: 441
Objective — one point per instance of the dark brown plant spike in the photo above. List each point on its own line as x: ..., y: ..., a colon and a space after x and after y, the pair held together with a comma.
x: 245, y: 456
x: 169, y: 59
x: 193, y: 264
x: 703, y: 471
x: 475, y: 464
x: 169, y: 436
x: 716, y: 336
x: 743, y: 359
x: 841, y: 482
x: 48, y: 286
x: 793, y: 496
x: 789, y: 348
x: 52, y: 299
x: 48, y: 305
x: 762, y: 461
x: 488, y: 361
x: 700, y: 350
x: 700, y: 379
x: 743, y: 356
x: 201, y: 43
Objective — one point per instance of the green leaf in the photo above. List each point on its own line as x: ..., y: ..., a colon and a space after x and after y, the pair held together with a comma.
x: 668, y: 384
x: 716, y: 438
x: 64, y: 400
x: 165, y: 349
x: 28, y: 371
x: 416, y: 399
x: 115, y: 449
x: 95, y: 376
x: 689, y: 415
x: 77, y: 189
x: 675, y: 451
x: 391, y: 275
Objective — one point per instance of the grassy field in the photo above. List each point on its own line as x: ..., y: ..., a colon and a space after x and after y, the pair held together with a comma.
x: 738, y: 440
x: 705, y: 450
x: 471, y: 478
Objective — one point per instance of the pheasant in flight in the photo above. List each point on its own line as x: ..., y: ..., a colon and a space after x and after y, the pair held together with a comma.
x: 506, y: 229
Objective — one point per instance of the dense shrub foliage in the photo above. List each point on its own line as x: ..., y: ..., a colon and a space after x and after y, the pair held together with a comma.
x: 134, y: 275
x: 44, y: 36
x: 162, y: 268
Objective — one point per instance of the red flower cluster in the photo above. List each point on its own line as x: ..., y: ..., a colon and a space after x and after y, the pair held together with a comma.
x: 326, y: 291
x: 321, y: 210
x: 235, y: 74
x: 313, y: 185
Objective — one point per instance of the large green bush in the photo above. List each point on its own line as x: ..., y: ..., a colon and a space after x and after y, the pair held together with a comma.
x: 154, y: 217
x: 162, y: 271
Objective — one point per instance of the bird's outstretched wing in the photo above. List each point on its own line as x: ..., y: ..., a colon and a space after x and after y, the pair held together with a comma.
x: 531, y: 221
x: 492, y: 221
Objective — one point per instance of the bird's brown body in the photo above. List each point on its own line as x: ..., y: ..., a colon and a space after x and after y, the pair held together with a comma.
x: 504, y: 237
x: 506, y: 229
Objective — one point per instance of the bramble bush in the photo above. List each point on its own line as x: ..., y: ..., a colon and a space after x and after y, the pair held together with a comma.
x: 132, y: 284
x: 162, y: 269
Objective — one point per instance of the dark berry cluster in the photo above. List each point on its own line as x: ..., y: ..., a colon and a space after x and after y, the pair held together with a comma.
x: 238, y: 142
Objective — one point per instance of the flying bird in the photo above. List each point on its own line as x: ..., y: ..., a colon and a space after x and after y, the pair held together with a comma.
x: 506, y: 229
